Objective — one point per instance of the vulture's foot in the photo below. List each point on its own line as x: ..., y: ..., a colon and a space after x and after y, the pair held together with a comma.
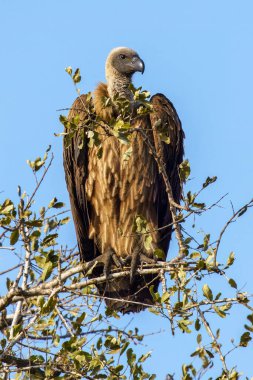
x: 111, y: 258
x: 136, y: 259
x: 106, y: 260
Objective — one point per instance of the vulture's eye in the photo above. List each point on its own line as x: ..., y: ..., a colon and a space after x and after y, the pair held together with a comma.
x: 122, y: 56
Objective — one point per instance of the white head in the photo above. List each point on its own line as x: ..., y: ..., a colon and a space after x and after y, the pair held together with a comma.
x: 123, y: 61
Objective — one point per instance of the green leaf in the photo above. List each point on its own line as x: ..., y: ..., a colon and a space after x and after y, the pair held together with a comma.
x: 209, y: 180
x: 159, y: 253
x: 14, y: 237
x: 145, y: 357
x: 35, y: 234
x: 140, y: 224
x: 249, y: 328
x: 48, y: 268
x: 148, y: 242
x: 77, y: 76
x: 69, y: 70
x: 7, y: 207
x: 206, y: 242
x: 131, y: 357
x: 183, y: 325
x: 58, y: 205
x: 250, y: 318
x: 127, y: 154
x: 49, y: 305
x: 52, y: 202
x: 34, y: 223
x: 231, y: 259
x: 40, y: 260
x: 199, y: 205
x: 184, y: 170
x: 197, y: 325
x: 65, y: 220
x: 245, y: 339
x: 8, y: 283
x: 63, y: 119
x: 195, y: 255
x: 165, y: 297
x: 244, y: 209
x: 48, y: 240
x: 220, y: 312
x: 17, y: 329
x: 210, y: 354
x: 232, y: 283
x: 164, y: 138
x: 207, y: 292
x: 155, y: 295
x: 35, y: 245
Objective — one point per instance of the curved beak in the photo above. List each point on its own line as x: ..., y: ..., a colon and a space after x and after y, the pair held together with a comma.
x: 138, y: 64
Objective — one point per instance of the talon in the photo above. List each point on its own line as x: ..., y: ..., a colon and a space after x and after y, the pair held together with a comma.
x: 107, y: 263
x: 127, y: 260
x: 110, y: 258
x: 147, y: 260
x: 117, y: 260
x: 134, y: 264
x: 137, y: 259
x: 106, y: 260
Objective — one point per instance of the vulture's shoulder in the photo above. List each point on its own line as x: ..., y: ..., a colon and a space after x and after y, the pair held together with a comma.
x: 165, y: 121
x: 79, y: 107
x: 100, y: 95
x: 165, y: 111
x: 165, y: 108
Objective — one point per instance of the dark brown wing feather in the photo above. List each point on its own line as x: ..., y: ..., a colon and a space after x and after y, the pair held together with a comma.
x: 75, y: 161
x: 172, y: 155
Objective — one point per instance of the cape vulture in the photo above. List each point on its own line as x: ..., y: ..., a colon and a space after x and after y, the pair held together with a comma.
x: 107, y: 192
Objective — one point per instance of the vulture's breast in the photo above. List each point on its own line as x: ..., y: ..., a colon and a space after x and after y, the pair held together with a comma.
x: 121, y: 185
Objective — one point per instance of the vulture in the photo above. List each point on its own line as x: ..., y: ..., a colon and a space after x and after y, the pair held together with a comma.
x: 108, y: 192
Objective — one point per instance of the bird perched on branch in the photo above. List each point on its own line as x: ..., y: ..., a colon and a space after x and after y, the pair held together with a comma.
x: 117, y: 144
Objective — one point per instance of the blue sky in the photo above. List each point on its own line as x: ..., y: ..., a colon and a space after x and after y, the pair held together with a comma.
x: 199, y: 54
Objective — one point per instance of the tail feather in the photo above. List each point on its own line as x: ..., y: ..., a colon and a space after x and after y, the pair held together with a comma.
x: 124, y: 297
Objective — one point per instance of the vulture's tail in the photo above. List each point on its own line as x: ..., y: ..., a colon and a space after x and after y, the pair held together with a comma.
x: 122, y: 296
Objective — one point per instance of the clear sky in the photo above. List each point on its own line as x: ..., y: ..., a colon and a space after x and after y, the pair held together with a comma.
x: 198, y: 53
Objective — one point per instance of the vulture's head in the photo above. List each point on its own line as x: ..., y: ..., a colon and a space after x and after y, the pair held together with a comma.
x: 123, y: 61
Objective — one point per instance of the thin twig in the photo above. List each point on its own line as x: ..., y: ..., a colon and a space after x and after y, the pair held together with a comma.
x: 236, y: 214
x: 10, y: 269
x: 39, y: 183
x: 167, y: 305
x: 26, y: 267
x: 68, y: 328
x: 216, y: 345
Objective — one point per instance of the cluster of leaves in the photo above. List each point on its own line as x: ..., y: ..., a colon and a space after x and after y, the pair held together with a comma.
x: 142, y: 229
x: 94, y: 129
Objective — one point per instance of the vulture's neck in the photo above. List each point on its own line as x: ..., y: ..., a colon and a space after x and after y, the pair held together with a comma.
x: 118, y: 85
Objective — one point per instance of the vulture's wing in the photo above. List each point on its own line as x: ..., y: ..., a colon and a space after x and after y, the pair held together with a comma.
x: 165, y: 116
x: 75, y: 161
